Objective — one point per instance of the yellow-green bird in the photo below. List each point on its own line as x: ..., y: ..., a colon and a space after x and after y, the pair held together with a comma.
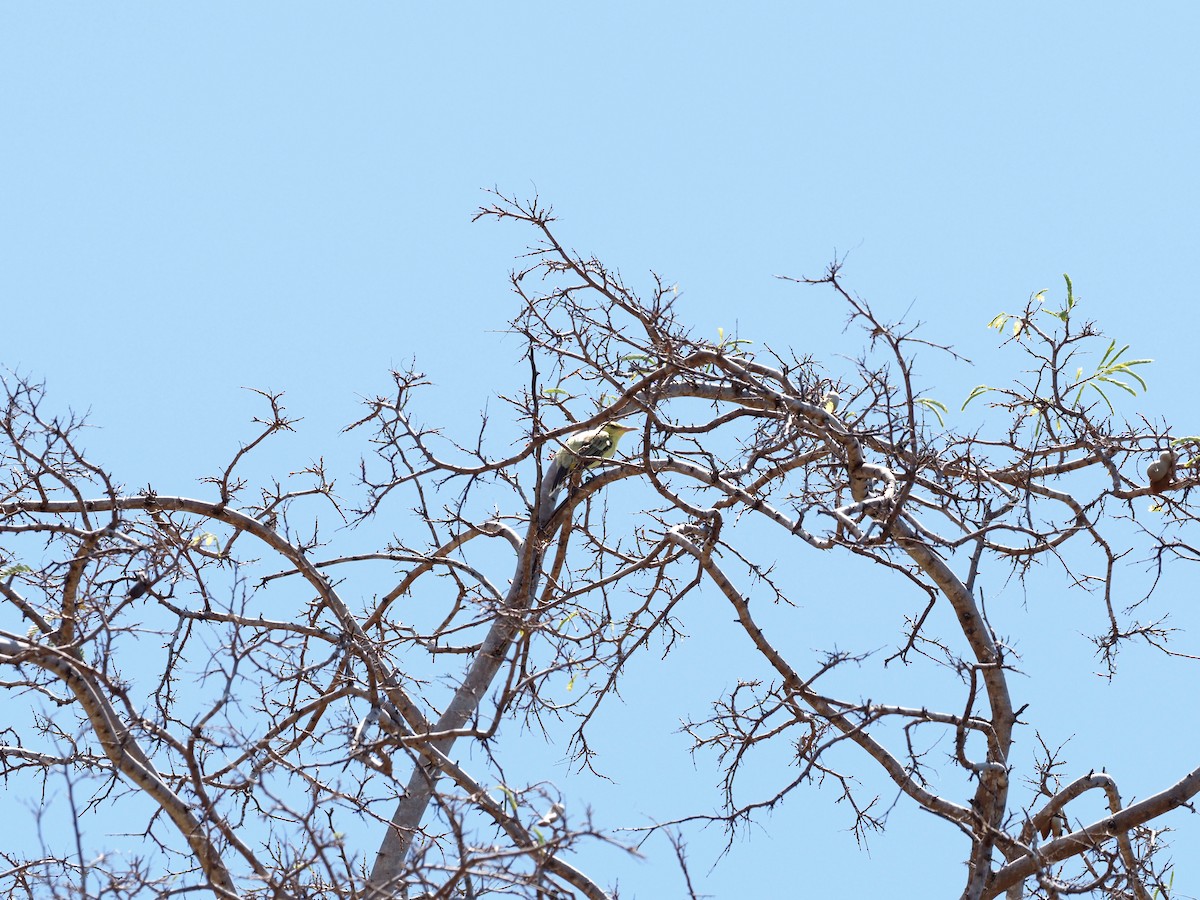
x: 584, y: 448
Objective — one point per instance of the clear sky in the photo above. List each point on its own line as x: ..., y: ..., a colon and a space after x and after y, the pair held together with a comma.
x: 200, y: 197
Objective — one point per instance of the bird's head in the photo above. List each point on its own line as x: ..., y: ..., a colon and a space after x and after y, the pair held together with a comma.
x: 616, y: 430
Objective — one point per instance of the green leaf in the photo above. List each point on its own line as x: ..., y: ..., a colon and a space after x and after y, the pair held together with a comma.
x: 17, y: 569
x: 998, y: 322
x: 1063, y: 314
x: 1122, y: 385
x: 1104, y: 360
x: 1134, y: 375
x: 1100, y: 391
x: 935, y: 406
x: 510, y: 797
x: 1112, y: 369
x: 1125, y: 370
x: 639, y: 364
x: 1109, y: 364
x: 1018, y: 327
x: 976, y: 391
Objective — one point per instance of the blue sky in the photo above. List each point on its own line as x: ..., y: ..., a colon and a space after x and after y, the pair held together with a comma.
x: 197, y: 198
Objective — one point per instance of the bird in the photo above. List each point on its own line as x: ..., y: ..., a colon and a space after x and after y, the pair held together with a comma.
x: 553, y: 814
x: 1161, y: 472
x: 587, y: 448
x: 831, y: 400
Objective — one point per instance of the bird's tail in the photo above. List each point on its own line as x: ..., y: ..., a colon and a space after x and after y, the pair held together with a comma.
x: 548, y: 493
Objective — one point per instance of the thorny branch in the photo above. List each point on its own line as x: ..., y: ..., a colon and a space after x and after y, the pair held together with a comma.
x: 294, y: 718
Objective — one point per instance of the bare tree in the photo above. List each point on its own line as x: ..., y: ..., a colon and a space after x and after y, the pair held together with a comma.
x: 211, y: 674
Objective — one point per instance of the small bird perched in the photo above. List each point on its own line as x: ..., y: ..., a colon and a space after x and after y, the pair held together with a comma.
x: 1161, y: 472
x: 584, y: 448
x: 831, y: 400
x: 553, y: 814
